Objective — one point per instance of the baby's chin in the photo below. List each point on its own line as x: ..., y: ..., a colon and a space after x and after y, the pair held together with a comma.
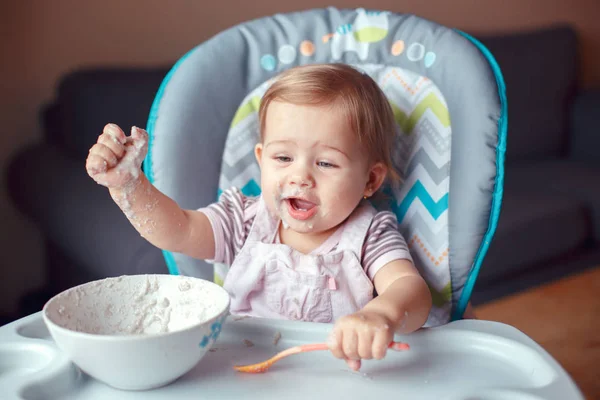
x: 308, y: 226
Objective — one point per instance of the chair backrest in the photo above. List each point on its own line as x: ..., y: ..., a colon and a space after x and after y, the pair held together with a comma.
x: 448, y: 98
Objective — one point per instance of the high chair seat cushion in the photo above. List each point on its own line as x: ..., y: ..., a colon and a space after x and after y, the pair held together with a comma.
x: 456, y: 195
x: 421, y: 156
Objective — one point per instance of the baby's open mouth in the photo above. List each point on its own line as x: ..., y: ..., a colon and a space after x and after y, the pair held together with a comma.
x: 300, y: 209
x: 301, y: 205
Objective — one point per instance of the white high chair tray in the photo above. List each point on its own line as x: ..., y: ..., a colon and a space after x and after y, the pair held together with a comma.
x: 463, y: 360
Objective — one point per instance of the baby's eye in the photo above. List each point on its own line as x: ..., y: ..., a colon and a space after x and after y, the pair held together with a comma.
x: 283, y: 159
x: 325, y: 164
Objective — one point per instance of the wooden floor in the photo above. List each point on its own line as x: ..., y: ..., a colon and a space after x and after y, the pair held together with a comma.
x: 564, y: 318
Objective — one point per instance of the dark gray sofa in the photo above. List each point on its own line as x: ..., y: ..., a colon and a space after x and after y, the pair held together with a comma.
x: 550, y: 220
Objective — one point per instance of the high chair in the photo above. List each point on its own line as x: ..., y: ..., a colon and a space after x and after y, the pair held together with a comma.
x: 449, y: 102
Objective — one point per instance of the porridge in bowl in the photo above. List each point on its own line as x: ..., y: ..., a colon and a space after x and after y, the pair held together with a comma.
x: 159, y: 325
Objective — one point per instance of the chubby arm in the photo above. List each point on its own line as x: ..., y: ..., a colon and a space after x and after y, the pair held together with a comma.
x: 161, y: 221
x: 115, y: 162
x: 404, y: 299
x: 402, y: 306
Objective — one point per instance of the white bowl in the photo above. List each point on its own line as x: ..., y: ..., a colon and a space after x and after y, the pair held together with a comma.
x: 137, y: 332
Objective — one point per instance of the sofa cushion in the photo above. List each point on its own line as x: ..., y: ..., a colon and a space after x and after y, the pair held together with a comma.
x: 534, y: 226
x: 562, y: 177
x: 89, y: 99
x: 78, y: 215
x: 585, y: 126
x: 540, y: 71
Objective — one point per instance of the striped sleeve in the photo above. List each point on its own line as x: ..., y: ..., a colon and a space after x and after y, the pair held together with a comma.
x: 231, y: 219
x: 383, y: 243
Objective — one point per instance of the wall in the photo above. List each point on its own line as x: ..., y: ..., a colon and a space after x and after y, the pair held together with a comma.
x: 40, y: 40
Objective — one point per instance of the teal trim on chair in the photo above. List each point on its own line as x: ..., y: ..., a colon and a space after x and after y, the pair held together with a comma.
x: 169, y: 259
x: 171, y: 264
x: 458, y: 312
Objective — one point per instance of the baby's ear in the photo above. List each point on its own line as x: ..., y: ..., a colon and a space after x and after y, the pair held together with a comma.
x: 377, y: 175
x: 258, y: 153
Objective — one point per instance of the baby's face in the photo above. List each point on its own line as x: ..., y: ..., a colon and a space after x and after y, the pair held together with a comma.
x: 313, y: 170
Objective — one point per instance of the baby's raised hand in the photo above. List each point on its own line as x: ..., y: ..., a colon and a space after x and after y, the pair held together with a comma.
x: 115, y: 160
x: 362, y: 335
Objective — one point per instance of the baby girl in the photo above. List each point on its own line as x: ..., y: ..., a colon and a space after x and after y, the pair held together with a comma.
x: 311, y: 247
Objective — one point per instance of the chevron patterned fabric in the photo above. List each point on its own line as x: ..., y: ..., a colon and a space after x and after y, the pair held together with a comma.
x: 422, y: 157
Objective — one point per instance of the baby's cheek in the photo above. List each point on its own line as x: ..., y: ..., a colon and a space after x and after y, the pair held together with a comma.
x: 343, y: 192
x: 272, y: 178
x: 353, y: 181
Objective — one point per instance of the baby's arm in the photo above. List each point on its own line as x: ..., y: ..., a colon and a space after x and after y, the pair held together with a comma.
x: 402, y: 306
x: 115, y: 162
x: 404, y: 297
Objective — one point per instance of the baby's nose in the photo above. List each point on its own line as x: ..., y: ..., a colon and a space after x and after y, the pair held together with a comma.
x: 301, y: 180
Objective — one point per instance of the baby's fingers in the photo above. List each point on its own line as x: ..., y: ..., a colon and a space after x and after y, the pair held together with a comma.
x: 334, y: 342
x: 350, y: 345
x: 95, y: 164
x: 105, y: 153
x: 113, y: 144
x: 380, y: 343
x: 365, y: 345
x: 354, y: 365
x: 116, y: 132
x: 139, y: 136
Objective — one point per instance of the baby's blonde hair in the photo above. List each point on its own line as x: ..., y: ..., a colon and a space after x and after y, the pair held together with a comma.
x: 355, y: 93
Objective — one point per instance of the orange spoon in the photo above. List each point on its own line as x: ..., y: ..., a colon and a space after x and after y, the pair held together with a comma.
x: 265, y: 365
